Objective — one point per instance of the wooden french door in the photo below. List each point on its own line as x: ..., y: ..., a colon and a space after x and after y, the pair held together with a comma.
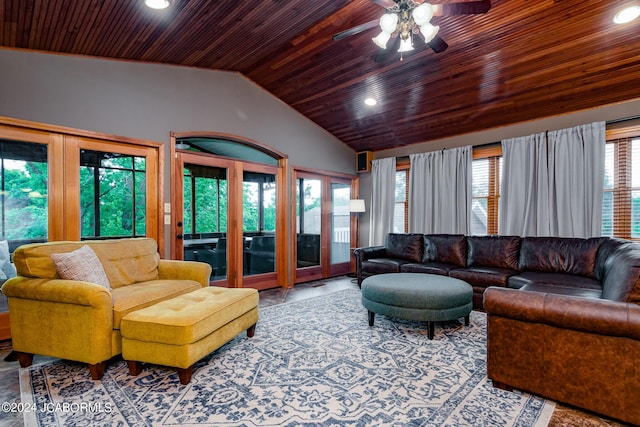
x: 324, y: 227
x: 243, y: 251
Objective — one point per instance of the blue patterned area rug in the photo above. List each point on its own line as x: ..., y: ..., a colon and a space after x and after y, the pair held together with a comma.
x: 311, y: 362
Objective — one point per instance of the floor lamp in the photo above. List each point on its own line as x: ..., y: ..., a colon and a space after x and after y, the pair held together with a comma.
x: 356, y: 206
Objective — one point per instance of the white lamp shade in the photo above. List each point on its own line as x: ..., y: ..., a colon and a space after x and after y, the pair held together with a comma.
x: 157, y: 4
x: 422, y: 14
x: 389, y: 22
x: 382, y: 39
x: 356, y: 205
x: 405, y: 45
x: 429, y: 32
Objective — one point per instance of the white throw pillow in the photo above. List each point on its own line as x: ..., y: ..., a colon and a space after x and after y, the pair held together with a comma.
x: 81, y: 264
x: 7, y: 270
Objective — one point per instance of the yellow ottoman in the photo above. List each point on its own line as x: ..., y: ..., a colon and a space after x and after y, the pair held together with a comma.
x: 180, y: 331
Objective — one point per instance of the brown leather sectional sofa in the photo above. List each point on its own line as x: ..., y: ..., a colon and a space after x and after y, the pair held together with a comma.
x: 600, y: 267
x: 563, y: 314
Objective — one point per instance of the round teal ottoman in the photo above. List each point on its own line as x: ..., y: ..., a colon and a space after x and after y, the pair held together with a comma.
x: 417, y: 296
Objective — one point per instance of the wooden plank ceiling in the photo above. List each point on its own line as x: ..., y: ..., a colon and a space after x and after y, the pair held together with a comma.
x: 523, y: 60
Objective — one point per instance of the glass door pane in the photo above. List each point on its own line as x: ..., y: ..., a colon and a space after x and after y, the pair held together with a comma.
x: 205, y: 217
x: 259, y: 222
x: 340, y: 223
x: 308, y: 221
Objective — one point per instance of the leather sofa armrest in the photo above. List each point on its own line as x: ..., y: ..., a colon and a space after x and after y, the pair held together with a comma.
x: 363, y: 254
x: 58, y: 290
x: 597, y: 316
x: 185, y: 270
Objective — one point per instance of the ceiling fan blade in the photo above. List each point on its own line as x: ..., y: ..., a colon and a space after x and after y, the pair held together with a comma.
x: 355, y: 30
x: 438, y: 45
x: 466, y: 8
x: 383, y: 54
x: 384, y: 3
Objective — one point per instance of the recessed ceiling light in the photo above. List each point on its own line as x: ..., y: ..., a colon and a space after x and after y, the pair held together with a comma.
x: 627, y: 14
x: 370, y: 101
x: 157, y: 4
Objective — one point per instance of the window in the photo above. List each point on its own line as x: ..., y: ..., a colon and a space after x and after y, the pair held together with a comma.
x: 609, y: 183
x: 485, y: 186
x: 621, y: 199
x: 112, y: 195
x: 401, y: 210
x: 24, y: 189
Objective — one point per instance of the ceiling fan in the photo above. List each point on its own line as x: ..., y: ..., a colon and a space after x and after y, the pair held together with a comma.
x: 406, y: 18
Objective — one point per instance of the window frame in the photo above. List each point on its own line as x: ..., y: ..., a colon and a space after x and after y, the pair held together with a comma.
x: 622, y: 139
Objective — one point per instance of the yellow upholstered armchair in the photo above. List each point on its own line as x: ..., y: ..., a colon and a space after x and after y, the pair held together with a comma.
x: 80, y: 320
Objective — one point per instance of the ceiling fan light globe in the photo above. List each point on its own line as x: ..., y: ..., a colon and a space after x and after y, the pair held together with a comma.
x: 405, y: 45
x: 389, y: 22
x: 382, y: 39
x: 429, y: 32
x: 422, y: 14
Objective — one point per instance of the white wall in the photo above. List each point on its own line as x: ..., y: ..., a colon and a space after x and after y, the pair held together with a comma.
x: 606, y: 113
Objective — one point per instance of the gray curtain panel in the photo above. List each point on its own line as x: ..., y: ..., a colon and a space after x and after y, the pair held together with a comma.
x: 383, y: 197
x: 576, y: 180
x: 524, y: 198
x: 552, y: 183
x: 440, y: 191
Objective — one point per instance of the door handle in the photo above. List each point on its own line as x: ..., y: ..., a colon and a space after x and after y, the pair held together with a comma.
x: 179, y: 236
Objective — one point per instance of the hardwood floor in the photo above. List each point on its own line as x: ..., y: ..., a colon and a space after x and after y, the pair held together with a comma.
x: 563, y: 416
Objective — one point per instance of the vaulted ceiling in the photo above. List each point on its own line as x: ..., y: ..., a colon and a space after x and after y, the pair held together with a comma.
x: 524, y: 59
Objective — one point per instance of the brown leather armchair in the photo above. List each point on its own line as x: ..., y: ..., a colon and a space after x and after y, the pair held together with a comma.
x: 580, y: 351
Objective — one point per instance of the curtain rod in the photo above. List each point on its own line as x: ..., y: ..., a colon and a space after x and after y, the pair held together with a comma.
x: 626, y: 119
x: 609, y: 122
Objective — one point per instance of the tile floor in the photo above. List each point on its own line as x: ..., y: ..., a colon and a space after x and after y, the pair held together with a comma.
x: 10, y: 387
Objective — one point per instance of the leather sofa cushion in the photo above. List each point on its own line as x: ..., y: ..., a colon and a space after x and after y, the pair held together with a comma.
x: 445, y: 249
x: 494, y: 251
x: 483, y: 276
x: 563, y: 290
x: 382, y: 265
x: 405, y: 246
x: 308, y: 249
x: 428, y: 268
x: 553, y: 255
x: 263, y: 244
x: 550, y: 280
